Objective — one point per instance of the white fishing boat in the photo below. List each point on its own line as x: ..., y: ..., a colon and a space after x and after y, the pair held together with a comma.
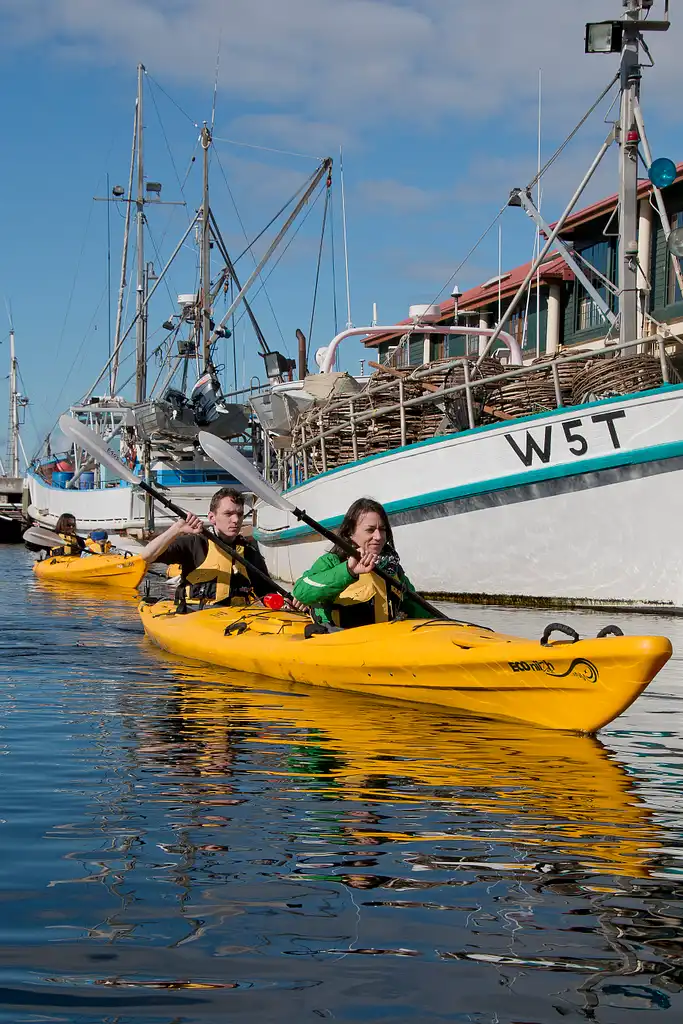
x: 559, y: 481
x: 156, y: 429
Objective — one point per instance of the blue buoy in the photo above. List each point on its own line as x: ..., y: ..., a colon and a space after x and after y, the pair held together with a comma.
x: 662, y: 172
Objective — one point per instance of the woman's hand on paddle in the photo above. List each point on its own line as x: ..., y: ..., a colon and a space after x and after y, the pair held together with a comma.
x: 192, y: 524
x: 358, y: 566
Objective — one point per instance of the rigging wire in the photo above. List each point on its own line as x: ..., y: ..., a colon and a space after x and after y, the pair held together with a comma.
x: 28, y: 406
x: 476, y: 245
x: 160, y: 262
x: 317, y: 269
x: 534, y: 181
x: 334, y: 271
x: 272, y: 219
x: 303, y: 220
x: 169, y: 97
x: 269, y: 149
x: 261, y: 278
x: 60, y: 339
x: 131, y: 378
x: 574, y: 131
x: 168, y: 145
x: 77, y: 356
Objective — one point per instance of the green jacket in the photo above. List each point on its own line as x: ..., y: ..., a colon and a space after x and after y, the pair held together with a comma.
x: 322, y: 584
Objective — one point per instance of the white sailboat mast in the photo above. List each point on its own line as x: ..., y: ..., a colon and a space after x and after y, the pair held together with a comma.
x: 205, y: 289
x: 13, y: 443
x: 140, y: 305
x: 124, y: 263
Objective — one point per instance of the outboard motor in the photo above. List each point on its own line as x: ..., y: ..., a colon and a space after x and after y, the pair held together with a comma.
x: 205, y: 396
x: 177, y: 400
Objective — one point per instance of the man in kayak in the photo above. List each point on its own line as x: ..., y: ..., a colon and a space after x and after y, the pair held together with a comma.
x: 207, y: 573
x: 344, y: 591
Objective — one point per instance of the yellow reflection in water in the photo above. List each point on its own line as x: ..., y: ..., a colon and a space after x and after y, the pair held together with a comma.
x: 86, y: 598
x: 556, y: 790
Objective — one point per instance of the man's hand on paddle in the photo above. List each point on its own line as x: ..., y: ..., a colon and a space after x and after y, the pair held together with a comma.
x: 192, y: 525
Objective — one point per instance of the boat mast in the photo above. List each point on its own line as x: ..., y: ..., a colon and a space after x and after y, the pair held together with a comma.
x: 13, y: 440
x: 140, y: 306
x: 205, y: 288
x: 114, y: 363
x: 628, y: 173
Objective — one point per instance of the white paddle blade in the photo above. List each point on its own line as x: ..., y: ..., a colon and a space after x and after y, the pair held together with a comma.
x: 234, y: 462
x: 93, y: 443
x: 41, y: 537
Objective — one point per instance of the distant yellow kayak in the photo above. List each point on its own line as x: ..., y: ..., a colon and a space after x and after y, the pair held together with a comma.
x: 578, y: 686
x: 104, y: 570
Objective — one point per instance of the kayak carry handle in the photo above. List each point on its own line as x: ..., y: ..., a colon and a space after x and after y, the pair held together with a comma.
x: 558, y: 627
x: 609, y: 631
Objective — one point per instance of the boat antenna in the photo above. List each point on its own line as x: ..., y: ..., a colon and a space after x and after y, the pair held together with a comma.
x: 215, y: 81
x: 349, y: 321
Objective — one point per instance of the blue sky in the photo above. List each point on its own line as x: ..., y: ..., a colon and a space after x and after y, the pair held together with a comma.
x: 434, y: 101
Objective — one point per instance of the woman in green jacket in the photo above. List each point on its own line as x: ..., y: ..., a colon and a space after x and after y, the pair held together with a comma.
x: 344, y: 591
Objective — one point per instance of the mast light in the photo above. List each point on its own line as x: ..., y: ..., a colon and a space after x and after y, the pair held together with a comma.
x: 662, y: 172
x: 604, y: 36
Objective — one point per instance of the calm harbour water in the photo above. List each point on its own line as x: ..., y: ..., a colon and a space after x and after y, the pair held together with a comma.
x: 180, y: 845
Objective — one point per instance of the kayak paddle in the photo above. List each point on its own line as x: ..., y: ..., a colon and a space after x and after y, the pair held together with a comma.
x: 234, y: 462
x: 41, y: 537
x: 93, y: 443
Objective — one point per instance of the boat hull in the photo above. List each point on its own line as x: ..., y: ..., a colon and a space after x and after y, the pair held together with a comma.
x: 110, y: 508
x: 588, y: 521
x: 577, y: 687
x: 103, y: 570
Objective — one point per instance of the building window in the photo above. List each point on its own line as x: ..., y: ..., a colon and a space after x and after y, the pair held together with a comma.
x: 602, y: 257
x: 517, y: 327
x: 673, y: 289
x: 437, y: 347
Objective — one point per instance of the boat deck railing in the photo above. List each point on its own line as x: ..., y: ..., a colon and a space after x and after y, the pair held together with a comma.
x: 293, y: 466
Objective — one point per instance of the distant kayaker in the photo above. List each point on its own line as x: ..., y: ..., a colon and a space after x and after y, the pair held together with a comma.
x: 344, y: 591
x: 71, y: 543
x: 207, y: 573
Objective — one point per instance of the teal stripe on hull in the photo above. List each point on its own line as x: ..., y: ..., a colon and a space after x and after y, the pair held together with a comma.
x: 654, y: 453
x: 486, y: 428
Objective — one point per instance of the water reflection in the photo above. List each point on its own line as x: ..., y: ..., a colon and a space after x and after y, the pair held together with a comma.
x: 183, y: 845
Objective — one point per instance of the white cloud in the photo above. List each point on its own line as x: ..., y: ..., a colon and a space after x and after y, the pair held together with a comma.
x: 352, y: 63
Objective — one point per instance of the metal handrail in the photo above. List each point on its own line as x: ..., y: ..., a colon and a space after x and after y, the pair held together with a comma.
x: 466, y: 386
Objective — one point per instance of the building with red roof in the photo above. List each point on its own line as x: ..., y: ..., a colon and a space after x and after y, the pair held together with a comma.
x: 564, y: 314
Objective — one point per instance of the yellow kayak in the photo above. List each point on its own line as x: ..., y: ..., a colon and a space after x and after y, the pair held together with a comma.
x: 577, y: 686
x: 104, y: 570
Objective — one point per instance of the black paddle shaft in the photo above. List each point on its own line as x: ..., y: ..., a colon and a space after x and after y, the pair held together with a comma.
x: 215, y: 539
x: 353, y: 552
